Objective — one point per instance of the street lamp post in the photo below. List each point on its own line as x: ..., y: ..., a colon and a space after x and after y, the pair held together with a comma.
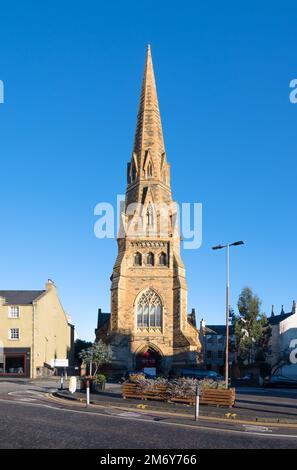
x: 220, y: 247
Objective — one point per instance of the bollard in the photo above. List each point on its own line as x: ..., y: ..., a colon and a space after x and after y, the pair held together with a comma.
x: 62, y: 382
x: 197, y: 404
x: 88, y: 393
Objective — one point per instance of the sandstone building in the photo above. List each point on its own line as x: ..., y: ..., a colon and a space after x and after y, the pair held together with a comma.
x: 34, y: 332
x: 149, y: 325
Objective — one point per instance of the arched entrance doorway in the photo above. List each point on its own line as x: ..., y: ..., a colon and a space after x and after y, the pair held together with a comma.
x: 148, y: 357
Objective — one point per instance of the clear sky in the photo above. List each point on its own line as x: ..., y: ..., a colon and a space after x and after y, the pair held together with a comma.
x: 72, y: 72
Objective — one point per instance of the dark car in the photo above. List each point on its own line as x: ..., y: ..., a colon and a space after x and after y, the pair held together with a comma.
x: 248, y: 376
x: 201, y: 374
x: 279, y: 381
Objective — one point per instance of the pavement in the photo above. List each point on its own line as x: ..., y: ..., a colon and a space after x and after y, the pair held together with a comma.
x: 35, y: 415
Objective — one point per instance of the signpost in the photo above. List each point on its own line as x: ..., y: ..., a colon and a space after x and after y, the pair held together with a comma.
x: 88, y: 393
x: 197, y: 400
x: 151, y: 371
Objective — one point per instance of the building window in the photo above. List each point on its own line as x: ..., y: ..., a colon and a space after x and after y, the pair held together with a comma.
x: 209, y: 354
x: 14, y: 311
x: 150, y: 216
x: 133, y: 171
x: 150, y: 261
x: 138, y: 259
x: 149, y: 310
x: 14, y: 333
x: 220, y: 354
x: 163, y: 259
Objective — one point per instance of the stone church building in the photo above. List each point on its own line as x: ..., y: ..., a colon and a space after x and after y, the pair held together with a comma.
x: 149, y: 325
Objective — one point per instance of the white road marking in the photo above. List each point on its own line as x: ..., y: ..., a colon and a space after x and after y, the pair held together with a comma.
x: 129, y: 414
x: 254, y: 427
x: 27, y: 399
x: 158, y: 423
x: 30, y: 392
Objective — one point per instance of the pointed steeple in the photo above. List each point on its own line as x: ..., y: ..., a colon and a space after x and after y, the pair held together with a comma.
x: 272, y: 311
x: 282, y: 311
x: 149, y: 134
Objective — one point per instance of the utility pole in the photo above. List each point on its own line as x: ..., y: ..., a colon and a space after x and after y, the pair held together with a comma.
x: 219, y: 247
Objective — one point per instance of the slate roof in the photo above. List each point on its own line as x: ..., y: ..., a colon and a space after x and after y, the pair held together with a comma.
x: 20, y: 297
x: 218, y: 330
x: 276, y: 319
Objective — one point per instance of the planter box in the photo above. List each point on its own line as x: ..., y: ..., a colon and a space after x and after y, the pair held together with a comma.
x: 98, y: 387
x: 209, y: 396
x: 218, y: 397
x: 187, y: 400
x: 158, y: 392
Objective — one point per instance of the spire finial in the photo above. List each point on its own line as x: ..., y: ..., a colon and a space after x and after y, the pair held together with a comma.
x: 283, y: 311
x: 294, y: 308
x: 272, y: 311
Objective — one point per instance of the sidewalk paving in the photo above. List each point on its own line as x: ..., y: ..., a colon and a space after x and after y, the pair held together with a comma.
x: 244, y: 410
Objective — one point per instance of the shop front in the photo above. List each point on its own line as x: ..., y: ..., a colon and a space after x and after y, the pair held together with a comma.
x: 15, y: 362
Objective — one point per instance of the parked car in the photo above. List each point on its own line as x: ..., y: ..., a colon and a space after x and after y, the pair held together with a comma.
x: 283, y: 376
x: 280, y: 381
x: 247, y: 376
x: 201, y: 374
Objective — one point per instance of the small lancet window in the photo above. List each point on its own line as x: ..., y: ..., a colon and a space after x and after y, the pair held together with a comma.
x: 138, y: 259
x: 163, y: 259
x: 133, y: 171
x: 150, y: 259
x: 150, y: 216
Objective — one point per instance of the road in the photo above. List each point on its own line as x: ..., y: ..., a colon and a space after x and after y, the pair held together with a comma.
x: 30, y: 419
x: 40, y: 426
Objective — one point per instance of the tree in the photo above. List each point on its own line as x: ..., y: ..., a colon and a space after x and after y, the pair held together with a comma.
x: 98, y: 355
x: 80, y: 345
x: 251, y: 328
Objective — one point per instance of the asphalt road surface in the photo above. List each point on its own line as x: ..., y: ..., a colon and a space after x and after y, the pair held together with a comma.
x: 48, y: 425
x: 30, y: 419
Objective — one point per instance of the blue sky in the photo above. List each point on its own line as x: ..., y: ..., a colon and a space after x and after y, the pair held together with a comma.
x: 72, y: 73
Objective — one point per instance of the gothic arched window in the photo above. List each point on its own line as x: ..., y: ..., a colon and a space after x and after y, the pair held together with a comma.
x: 163, y: 259
x: 138, y: 259
x: 149, y: 310
x: 150, y: 260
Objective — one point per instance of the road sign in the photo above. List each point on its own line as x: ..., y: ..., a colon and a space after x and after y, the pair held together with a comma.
x: 59, y: 362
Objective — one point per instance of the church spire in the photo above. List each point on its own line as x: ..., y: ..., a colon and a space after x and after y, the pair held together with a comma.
x: 149, y: 135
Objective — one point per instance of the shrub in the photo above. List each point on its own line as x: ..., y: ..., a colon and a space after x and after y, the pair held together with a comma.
x: 214, y: 384
x: 99, y: 378
x: 136, y: 378
x: 182, y: 387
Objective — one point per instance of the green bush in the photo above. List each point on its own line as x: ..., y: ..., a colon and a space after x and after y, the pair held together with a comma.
x: 99, y: 378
